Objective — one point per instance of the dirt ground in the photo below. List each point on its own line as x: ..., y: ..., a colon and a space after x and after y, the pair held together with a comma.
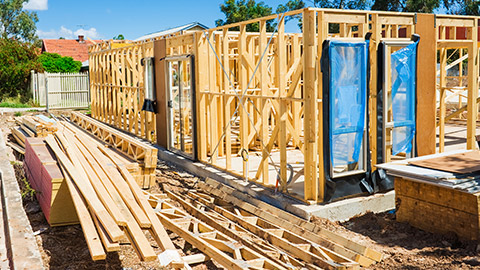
x: 404, y: 247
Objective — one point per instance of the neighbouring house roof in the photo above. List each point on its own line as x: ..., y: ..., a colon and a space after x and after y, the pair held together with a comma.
x: 187, y: 27
x: 76, y: 48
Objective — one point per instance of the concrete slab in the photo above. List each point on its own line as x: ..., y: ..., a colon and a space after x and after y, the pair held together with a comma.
x: 20, y: 243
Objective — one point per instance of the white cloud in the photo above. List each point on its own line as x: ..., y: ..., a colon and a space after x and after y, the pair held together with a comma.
x: 36, y: 5
x: 68, y: 34
x: 62, y: 32
x: 90, y: 33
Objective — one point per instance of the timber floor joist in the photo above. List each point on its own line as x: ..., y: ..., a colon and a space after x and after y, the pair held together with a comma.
x: 129, y: 145
x: 228, y: 252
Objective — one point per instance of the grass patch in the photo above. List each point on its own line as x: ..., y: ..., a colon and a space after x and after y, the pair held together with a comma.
x: 18, y: 114
x: 7, y: 104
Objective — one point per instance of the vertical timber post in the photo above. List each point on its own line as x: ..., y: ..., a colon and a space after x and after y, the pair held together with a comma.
x: 201, y: 83
x: 426, y: 84
x: 159, y: 52
x: 310, y: 95
x: 472, y: 106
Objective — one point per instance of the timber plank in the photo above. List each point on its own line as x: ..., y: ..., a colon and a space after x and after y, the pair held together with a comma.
x: 88, y: 227
x: 86, y: 190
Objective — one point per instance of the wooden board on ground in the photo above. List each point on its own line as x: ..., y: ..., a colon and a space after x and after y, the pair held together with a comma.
x: 468, y: 162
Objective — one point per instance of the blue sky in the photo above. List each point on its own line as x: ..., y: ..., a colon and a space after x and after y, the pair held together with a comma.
x: 105, y: 19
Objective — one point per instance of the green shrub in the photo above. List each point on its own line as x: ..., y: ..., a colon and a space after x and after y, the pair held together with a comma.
x: 55, y: 63
x: 17, y: 59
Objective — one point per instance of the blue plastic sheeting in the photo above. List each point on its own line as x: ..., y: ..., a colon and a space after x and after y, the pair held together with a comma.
x: 403, y: 70
x: 348, y: 92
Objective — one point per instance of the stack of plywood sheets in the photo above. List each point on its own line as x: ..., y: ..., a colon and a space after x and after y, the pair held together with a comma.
x: 110, y: 206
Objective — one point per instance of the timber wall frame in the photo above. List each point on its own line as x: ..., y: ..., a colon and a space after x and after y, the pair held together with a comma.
x: 260, y: 92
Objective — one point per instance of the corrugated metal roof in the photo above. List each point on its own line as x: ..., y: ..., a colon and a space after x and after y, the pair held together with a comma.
x: 171, y: 31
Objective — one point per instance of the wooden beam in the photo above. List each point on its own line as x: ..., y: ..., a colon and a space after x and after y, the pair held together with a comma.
x: 472, y: 107
x: 311, y: 184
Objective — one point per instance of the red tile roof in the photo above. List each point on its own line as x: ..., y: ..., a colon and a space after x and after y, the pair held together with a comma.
x: 68, y: 47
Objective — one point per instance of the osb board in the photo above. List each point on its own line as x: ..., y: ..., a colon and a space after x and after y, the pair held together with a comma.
x: 462, y: 163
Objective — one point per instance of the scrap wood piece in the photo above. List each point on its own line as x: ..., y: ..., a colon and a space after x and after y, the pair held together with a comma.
x: 295, y: 245
x: 86, y: 190
x: 27, y: 130
x: 16, y: 147
x: 346, y: 247
x: 88, y: 227
x: 159, y: 232
x: 117, y: 179
x: 225, y: 227
x: 229, y: 253
x: 468, y: 162
x: 20, y: 133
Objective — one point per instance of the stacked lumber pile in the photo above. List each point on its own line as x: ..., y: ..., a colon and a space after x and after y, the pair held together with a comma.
x: 110, y: 205
x: 139, y: 151
x: 31, y: 126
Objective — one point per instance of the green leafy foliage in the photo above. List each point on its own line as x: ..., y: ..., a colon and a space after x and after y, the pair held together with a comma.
x: 290, y: 6
x: 55, y: 63
x: 17, y: 59
x: 119, y: 37
x: 243, y: 10
x: 17, y: 23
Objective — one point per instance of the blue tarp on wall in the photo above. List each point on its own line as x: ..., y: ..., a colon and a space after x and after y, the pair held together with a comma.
x: 348, y: 95
x: 403, y: 70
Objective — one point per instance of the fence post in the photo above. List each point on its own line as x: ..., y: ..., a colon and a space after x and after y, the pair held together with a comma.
x: 46, y: 90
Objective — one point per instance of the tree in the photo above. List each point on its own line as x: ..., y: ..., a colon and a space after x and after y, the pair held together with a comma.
x: 290, y: 6
x: 17, y: 23
x: 242, y: 10
x: 119, y: 37
x: 423, y: 6
x: 342, y: 4
x: 462, y: 7
x: 17, y: 59
x: 55, y: 63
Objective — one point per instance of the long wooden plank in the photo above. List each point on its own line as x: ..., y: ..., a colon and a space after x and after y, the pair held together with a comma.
x: 133, y: 231
x: 88, y: 227
x: 86, y: 190
x: 346, y: 247
x: 116, y: 178
x: 108, y: 243
x: 159, y: 232
x: 102, y: 192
